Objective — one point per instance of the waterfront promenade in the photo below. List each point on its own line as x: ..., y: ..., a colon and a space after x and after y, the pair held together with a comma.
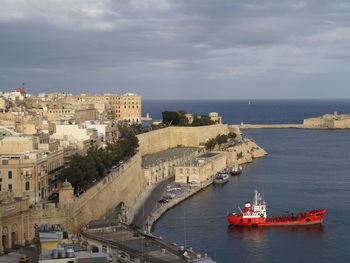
x: 185, y: 192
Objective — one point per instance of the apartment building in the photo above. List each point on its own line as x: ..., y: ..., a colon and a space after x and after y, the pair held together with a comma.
x: 126, y: 107
x: 24, y: 168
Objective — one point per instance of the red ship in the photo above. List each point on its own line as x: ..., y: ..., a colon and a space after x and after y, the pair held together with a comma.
x: 255, y: 215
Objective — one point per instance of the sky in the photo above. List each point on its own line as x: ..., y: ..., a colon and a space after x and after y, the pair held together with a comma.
x: 178, y: 49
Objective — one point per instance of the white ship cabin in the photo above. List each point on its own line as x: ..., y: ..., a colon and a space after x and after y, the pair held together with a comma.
x: 258, y: 209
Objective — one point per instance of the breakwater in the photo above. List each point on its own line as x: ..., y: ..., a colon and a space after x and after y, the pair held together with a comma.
x: 271, y: 126
x: 325, y: 122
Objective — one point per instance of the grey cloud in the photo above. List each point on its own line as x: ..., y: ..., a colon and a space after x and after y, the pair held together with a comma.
x: 155, y: 46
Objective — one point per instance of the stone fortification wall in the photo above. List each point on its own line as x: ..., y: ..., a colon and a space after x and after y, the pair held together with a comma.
x: 342, y: 124
x: 154, y: 141
x: 124, y: 185
x: 328, y: 121
x: 171, y: 137
x: 314, y: 123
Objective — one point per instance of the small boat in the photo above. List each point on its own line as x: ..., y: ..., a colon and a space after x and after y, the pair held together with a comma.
x: 221, y: 178
x: 236, y: 170
x: 255, y: 215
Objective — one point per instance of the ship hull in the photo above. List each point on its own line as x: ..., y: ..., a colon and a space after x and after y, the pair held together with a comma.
x: 220, y: 181
x: 309, y: 218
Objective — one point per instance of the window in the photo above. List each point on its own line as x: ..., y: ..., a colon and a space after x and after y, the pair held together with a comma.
x: 0, y: 187
x: 10, y: 186
x: 5, y: 161
x: 27, y: 186
x: 249, y: 220
x: 10, y: 174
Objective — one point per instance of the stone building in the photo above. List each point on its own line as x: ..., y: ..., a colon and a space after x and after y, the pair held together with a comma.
x: 161, y: 165
x: 25, y: 169
x: 14, y: 223
x: 214, y: 116
x: 73, y: 134
x: 202, y: 169
x: 124, y: 107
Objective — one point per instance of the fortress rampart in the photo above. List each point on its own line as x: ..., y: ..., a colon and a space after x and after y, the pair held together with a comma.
x: 171, y: 137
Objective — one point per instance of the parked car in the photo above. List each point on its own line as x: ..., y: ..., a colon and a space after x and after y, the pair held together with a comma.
x: 94, y: 180
x: 78, y: 192
x: 163, y: 200
x: 170, y: 195
x: 53, y: 197
x: 173, y: 189
x: 24, y: 259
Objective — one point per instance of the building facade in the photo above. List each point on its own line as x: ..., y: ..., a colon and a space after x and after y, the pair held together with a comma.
x: 127, y: 107
x: 202, y: 169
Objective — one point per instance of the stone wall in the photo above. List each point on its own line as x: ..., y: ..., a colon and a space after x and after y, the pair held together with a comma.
x: 313, y: 123
x: 122, y: 186
x: 171, y: 137
x: 328, y: 121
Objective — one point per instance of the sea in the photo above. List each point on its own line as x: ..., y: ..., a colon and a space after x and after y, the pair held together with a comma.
x: 304, y: 170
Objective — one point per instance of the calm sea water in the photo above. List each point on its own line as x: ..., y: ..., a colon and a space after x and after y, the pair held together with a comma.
x: 258, y: 111
x: 305, y: 169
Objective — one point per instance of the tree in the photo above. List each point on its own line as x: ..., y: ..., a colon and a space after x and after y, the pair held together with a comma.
x: 205, y: 120
x: 83, y: 169
x: 171, y: 118
x: 232, y: 135
x: 221, y: 138
x: 210, y: 144
x: 183, y: 121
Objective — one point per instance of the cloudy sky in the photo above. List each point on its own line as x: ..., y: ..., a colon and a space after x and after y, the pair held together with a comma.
x: 178, y: 49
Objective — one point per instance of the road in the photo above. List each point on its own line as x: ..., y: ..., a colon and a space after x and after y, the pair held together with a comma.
x: 150, y: 203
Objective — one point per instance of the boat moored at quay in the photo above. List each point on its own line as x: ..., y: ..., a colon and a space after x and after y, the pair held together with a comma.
x: 221, y: 178
x: 236, y: 170
x: 255, y: 215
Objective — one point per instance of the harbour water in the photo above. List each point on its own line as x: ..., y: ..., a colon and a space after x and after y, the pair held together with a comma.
x: 305, y: 169
x: 253, y: 112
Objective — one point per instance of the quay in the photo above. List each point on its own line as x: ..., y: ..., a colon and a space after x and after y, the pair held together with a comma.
x: 186, y: 192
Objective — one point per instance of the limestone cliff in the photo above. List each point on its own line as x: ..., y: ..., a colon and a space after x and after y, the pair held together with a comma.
x: 244, y: 152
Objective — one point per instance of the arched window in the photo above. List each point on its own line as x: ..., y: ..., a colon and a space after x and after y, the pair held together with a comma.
x: 27, y: 186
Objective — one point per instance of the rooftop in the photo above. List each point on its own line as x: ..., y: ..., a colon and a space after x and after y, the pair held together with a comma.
x: 149, y: 160
x: 207, y: 155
